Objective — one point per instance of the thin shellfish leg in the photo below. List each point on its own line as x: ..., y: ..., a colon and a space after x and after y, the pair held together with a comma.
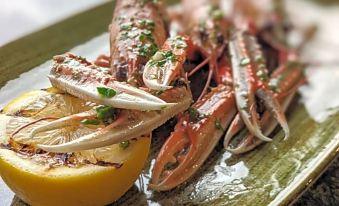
x: 244, y: 85
x: 194, y: 137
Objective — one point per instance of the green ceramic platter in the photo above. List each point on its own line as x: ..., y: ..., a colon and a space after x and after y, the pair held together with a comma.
x: 274, y: 174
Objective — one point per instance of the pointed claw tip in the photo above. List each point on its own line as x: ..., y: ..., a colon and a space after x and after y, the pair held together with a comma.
x: 287, y: 135
x: 287, y: 131
x: 266, y: 139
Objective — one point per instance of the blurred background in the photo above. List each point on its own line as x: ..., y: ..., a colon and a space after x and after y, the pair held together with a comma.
x: 21, y: 17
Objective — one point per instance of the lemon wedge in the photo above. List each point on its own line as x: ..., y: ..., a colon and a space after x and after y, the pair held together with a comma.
x: 91, y: 177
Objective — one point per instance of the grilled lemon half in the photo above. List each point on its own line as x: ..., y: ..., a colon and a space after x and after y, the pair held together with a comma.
x: 92, y: 177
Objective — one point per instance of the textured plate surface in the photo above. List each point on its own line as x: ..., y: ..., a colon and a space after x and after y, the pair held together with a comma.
x: 273, y: 174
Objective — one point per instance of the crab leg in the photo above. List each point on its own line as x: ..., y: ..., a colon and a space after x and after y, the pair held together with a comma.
x: 82, y: 79
x: 207, y: 28
x: 193, y: 139
x: 135, y: 124
x: 264, y: 92
x: 166, y: 64
x: 244, y: 84
x: 136, y: 33
x: 283, y: 81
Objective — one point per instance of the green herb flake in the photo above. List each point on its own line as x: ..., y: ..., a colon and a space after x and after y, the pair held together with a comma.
x: 262, y: 75
x: 244, y: 61
x: 202, y: 25
x: 274, y: 85
x: 83, y: 59
x: 124, y: 35
x: 217, y: 14
x: 170, y: 56
x: 106, y: 92
x: 124, y: 144
x: 161, y: 58
x: 142, y: 37
x: 90, y: 122
x: 147, y: 50
x: 142, y: 22
x: 105, y: 112
x: 179, y: 43
x: 147, y: 24
x: 148, y: 33
x: 259, y: 59
x: 218, y: 126
x: 150, y: 22
x: 194, y: 114
x: 126, y: 26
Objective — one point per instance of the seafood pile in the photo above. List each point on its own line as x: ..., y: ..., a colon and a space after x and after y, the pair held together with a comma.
x: 220, y: 75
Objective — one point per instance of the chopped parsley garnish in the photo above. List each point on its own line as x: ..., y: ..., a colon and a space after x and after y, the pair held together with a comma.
x: 217, y: 14
x: 147, y: 24
x: 217, y: 125
x: 147, y: 50
x: 274, y: 84
x: 194, y: 114
x: 142, y: 22
x: 106, y: 92
x: 150, y: 24
x: 105, y: 112
x: 259, y: 59
x: 202, y: 25
x: 124, y: 144
x: 147, y: 34
x: 244, y: 61
x: 179, y: 43
x: 142, y: 37
x: 141, y: 32
x: 124, y: 35
x: 83, y: 59
x: 169, y: 56
x: 161, y: 58
x: 90, y: 122
x: 126, y: 26
x: 262, y: 75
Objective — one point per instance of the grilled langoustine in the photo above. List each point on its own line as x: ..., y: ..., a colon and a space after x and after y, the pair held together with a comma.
x: 207, y: 29
x: 136, y: 33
